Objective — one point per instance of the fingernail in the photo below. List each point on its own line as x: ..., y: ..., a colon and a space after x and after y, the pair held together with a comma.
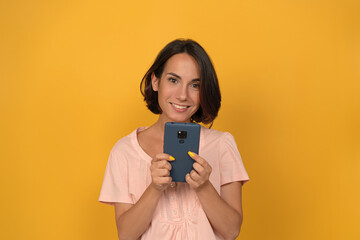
x: 171, y: 158
x: 191, y: 153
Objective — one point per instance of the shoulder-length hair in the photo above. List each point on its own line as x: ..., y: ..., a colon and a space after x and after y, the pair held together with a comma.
x: 210, y: 97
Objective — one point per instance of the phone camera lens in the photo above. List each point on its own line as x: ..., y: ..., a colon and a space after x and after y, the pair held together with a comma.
x: 182, y: 134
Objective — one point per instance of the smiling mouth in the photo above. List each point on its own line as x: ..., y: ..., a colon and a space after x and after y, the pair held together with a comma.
x: 179, y: 106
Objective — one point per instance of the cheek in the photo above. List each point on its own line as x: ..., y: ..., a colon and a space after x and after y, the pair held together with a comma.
x: 164, y: 93
x: 162, y: 90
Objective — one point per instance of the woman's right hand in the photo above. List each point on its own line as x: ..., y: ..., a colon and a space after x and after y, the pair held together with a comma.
x: 160, y: 171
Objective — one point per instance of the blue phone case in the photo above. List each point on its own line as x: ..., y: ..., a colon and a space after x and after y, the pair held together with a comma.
x: 179, y: 138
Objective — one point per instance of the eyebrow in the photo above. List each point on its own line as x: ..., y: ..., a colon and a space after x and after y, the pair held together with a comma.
x: 177, y: 76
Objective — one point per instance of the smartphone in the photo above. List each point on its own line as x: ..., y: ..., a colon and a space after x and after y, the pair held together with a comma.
x: 179, y: 138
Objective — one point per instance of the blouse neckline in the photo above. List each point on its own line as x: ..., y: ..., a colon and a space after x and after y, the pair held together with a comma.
x: 146, y: 156
x: 141, y: 151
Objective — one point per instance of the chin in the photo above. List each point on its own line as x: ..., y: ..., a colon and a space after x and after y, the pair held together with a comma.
x: 173, y: 116
x: 179, y: 119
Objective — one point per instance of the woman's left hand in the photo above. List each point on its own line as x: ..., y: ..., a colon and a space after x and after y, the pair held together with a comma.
x: 199, y: 176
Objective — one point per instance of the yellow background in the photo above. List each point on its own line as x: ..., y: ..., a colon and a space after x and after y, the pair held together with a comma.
x: 289, y: 74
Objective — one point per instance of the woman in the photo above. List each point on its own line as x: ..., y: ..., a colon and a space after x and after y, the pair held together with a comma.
x: 181, y: 86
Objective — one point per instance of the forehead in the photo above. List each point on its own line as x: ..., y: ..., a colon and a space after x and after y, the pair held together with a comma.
x: 182, y: 64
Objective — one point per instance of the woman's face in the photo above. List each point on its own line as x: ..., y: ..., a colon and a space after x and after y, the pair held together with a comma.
x: 178, y: 88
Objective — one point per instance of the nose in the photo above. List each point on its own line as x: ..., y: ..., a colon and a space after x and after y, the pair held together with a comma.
x: 181, y: 93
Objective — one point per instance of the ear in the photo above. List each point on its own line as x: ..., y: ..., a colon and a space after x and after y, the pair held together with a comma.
x: 154, y: 82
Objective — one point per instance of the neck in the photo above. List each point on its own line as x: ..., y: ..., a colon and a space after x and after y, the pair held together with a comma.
x: 159, y: 126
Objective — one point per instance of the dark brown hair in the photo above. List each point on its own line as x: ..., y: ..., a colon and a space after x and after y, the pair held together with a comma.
x: 210, y: 97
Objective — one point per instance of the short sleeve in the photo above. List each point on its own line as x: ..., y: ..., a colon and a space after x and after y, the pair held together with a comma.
x: 231, y: 166
x: 115, y: 187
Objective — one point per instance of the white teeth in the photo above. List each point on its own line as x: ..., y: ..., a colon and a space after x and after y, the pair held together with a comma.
x: 178, y: 106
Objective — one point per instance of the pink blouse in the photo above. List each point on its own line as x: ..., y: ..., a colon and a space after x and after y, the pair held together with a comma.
x: 179, y: 214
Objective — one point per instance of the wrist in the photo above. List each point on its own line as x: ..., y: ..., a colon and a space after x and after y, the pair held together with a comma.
x: 204, y: 187
x: 157, y: 187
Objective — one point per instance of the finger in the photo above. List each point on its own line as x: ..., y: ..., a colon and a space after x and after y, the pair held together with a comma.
x: 163, y: 180
x: 190, y: 181
x: 161, y: 172
x: 194, y: 176
x: 198, y: 168
x: 197, y: 158
x: 163, y: 164
x: 160, y: 163
x: 201, y: 161
x: 168, y: 166
x: 162, y: 156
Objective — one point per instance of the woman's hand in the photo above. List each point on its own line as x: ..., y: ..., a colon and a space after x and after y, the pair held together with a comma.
x: 199, y: 176
x: 160, y: 171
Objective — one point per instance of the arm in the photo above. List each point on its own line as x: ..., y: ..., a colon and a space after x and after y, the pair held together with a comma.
x: 128, y: 222
x: 224, y: 212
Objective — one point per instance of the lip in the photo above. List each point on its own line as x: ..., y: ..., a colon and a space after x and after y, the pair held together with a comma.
x: 183, y: 109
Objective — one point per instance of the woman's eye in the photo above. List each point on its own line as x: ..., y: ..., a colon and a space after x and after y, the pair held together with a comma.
x: 195, y: 85
x: 173, y: 80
